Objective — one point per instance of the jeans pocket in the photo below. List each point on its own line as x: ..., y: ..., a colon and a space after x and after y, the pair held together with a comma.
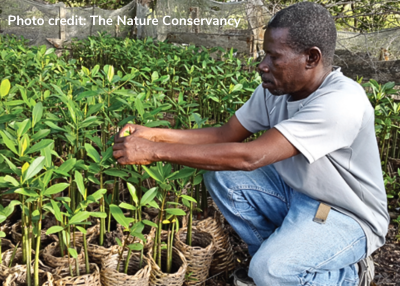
x: 240, y: 203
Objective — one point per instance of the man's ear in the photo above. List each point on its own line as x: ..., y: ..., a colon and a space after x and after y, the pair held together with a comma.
x: 314, y: 57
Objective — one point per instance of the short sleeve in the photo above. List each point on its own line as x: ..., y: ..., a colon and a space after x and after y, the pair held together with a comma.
x: 325, y: 124
x: 253, y: 114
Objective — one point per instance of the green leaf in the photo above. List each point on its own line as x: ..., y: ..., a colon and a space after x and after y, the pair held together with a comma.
x: 10, y: 144
x: 57, y: 211
x: 81, y: 229
x: 97, y: 195
x: 54, y: 229
x: 118, y: 215
x: 135, y: 246
x: 11, y: 180
x: 34, y: 168
x: 37, y: 113
x: 26, y: 192
x: 55, y: 189
x: 40, y: 146
x: 40, y: 134
x: 148, y: 196
x: 53, y: 126
x: 150, y: 223
x: 107, y: 155
x: 92, y: 153
x: 67, y: 165
x: 237, y: 87
x: 79, y: 217
x: 80, y: 183
x: 2, y: 234
x: 73, y: 252
x: 183, y: 173
x: 4, y: 87
x: 154, y: 173
x: 132, y: 191
x: 116, y: 173
x: 139, y: 106
x: 127, y: 206
x: 119, y: 242
x: 110, y: 73
x: 12, y: 166
x: 175, y: 211
x: 98, y: 214
x: 189, y: 198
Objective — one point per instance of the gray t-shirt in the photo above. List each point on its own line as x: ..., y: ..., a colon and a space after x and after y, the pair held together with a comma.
x: 339, y: 164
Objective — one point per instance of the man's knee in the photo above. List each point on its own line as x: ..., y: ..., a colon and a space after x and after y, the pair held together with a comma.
x: 271, y: 271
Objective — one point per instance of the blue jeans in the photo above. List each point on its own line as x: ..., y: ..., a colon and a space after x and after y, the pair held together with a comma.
x: 276, y: 222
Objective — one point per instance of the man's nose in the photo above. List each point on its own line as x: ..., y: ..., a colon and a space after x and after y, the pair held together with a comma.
x: 262, y: 68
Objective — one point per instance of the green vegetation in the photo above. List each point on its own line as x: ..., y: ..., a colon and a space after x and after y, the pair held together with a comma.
x: 58, y: 117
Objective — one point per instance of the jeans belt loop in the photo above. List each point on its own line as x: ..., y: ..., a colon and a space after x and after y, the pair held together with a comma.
x: 322, y: 213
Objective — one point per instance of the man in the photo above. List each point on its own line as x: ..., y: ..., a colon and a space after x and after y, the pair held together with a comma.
x: 319, y: 152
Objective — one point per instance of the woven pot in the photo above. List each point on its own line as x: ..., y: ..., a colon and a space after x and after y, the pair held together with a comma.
x: 111, y: 277
x: 7, y: 255
x: 16, y: 232
x: 17, y: 277
x: 159, y: 278
x: 97, y: 252
x: 63, y: 278
x: 223, y: 260
x: 93, y: 230
x: 199, y: 256
x: 6, y: 245
x: 4, y: 272
x: 6, y: 227
x: 51, y: 259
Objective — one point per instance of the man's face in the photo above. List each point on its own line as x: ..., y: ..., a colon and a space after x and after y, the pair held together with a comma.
x: 282, y: 69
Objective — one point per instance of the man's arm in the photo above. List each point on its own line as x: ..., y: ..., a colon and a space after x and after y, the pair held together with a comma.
x: 232, y: 131
x: 269, y: 148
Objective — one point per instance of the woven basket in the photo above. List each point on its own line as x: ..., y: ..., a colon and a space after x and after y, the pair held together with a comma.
x: 93, y: 230
x: 160, y: 278
x: 111, y: 277
x: 63, y: 278
x: 223, y: 260
x: 17, y: 277
x: 6, y: 227
x: 6, y: 245
x: 7, y: 255
x: 199, y: 256
x: 97, y: 252
x: 50, y: 258
x: 4, y: 272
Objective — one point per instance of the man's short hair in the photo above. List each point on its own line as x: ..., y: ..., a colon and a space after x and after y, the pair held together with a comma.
x: 310, y: 25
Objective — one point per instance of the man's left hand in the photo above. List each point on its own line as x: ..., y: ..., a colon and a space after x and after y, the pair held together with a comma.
x: 132, y: 150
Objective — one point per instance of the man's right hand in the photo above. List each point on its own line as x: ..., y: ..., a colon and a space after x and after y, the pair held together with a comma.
x: 137, y: 131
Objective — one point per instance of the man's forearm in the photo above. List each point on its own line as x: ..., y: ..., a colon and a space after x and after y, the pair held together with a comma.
x: 195, y: 136
x: 222, y: 156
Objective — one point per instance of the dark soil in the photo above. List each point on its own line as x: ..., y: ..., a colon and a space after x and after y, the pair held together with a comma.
x: 386, y: 259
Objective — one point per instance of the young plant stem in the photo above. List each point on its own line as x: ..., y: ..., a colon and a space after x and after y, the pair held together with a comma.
x: 122, y: 252
x: 141, y: 259
x: 76, y: 259
x: 189, y: 227
x: 13, y: 255
x: 102, y: 209
x: 204, y: 203
x: 39, y: 229
x: 127, y: 261
x: 86, y: 254
x: 157, y: 246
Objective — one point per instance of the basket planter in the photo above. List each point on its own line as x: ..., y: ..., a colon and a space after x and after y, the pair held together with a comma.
x: 6, y: 245
x: 97, y: 252
x: 93, y: 230
x: 63, y: 278
x: 111, y: 277
x: 223, y: 260
x: 199, y: 256
x: 17, y: 277
x: 160, y: 278
x: 52, y: 258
